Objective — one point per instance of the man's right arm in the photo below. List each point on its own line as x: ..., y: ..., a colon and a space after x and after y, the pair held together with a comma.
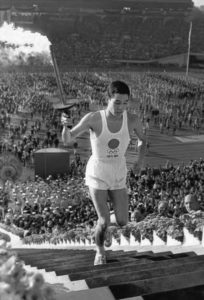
x: 83, y: 126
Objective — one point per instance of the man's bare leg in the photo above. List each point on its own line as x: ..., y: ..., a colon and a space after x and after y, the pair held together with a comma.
x: 99, y: 198
x: 119, y: 198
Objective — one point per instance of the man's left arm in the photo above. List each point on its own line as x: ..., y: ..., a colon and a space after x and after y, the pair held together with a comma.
x: 142, y: 142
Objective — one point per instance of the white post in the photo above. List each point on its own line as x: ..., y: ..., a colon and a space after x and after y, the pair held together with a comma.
x: 189, y: 49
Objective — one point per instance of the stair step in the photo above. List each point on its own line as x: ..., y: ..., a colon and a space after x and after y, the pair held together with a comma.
x: 191, y: 293
x: 139, y: 265
x: 77, y: 256
x: 55, y: 262
x: 144, y: 274
x: 157, y: 285
x: 70, y: 269
x: 51, y: 263
x: 57, y: 258
x: 48, y: 252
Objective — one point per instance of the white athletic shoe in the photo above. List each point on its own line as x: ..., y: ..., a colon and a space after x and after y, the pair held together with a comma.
x: 100, y: 259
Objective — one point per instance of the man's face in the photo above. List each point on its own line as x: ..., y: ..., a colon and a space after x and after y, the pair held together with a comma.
x: 118, y: 104
x: 187, y: 203
x: 162, y: 208
x: 190, y: 204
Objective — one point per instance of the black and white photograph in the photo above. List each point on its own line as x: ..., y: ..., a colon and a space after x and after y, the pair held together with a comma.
x: 101, y: 149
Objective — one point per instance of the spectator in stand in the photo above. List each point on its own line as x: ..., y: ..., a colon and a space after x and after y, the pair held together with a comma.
x: 191, y: 204
x: 139, y: 213
x: 163, y: 208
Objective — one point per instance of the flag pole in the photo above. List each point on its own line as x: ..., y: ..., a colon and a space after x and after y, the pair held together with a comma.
x: 189, y: 50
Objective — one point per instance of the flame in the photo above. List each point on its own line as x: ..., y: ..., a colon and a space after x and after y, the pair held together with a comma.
x: 18, y: 45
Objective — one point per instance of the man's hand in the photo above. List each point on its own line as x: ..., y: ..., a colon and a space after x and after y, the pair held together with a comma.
x: 66, y: 135
x: 137, y: 168
x: 64, y: 119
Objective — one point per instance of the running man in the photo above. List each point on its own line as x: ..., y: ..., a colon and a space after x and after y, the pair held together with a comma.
x: 110, y: 130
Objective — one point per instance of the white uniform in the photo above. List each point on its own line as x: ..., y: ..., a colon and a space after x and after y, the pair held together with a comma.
x: 106, y: 168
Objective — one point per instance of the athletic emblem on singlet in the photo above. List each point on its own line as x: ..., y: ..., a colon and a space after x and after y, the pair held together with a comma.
x: 113, y: 148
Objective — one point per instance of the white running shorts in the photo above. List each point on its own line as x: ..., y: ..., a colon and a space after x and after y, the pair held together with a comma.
x: 106, y: 174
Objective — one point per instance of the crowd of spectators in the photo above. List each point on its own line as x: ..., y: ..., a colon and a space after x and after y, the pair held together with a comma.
x: 27, y: 119
x: 170, y: 102
x: 97, y: 42
x: 47, y: 205
x: 29, y: 123
x: 94, y: 41
x: 166, y: 187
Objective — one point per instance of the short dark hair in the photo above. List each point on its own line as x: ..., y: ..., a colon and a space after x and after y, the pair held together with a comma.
x: 118, y: 87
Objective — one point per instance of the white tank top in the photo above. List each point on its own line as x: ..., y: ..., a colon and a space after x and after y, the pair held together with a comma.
x: 110, y: 145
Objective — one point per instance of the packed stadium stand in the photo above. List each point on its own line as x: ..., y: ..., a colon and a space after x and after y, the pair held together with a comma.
x: 95, y: 33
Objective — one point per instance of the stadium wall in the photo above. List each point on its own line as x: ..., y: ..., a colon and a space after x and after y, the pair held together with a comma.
x: 179, y: 60
x: 110, y: 6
